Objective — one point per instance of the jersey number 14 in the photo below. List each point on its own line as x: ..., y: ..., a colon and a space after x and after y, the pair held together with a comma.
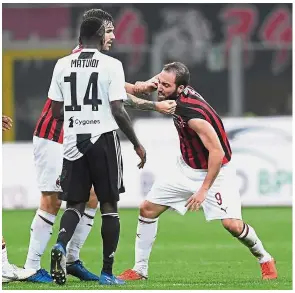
x: 92, y: 84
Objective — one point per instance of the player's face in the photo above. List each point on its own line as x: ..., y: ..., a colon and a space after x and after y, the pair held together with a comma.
x: 167, y: 88
x: 109, y: 36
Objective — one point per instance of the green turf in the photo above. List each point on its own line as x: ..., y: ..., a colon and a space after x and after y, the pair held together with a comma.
x: 189, y: 253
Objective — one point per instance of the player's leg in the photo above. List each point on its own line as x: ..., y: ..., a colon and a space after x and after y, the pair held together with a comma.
x: 110, y: 233
x: 168, y: 191
x: 247, y: 235
x: 5, y: 262
x: 74, y: 265
x: 48, y: 162
x: 41, y: 228
x: 147, y: 227
x: 68, y: 224
x: 76, y: 185
x: 223, y: 202
x: 105, y: 166
x: 11, y: 272
x: 83, y: 229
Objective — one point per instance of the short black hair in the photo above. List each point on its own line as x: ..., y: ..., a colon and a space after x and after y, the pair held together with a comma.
x: 181, y: 71
x: 92, y: 28
x: 98, y: 13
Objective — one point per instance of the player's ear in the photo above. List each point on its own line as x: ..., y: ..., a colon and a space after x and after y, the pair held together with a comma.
x: 180, y: 89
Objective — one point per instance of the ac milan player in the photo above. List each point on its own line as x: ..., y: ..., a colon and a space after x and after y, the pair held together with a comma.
x: 48, y: 154
x: 203, y: 176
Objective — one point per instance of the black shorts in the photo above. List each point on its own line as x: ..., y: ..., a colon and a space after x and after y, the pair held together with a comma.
x: 101, y: 166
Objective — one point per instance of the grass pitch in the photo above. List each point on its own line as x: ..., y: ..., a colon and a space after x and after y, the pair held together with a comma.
x: 189, y: 253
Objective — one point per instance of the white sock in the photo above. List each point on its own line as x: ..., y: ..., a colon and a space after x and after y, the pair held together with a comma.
x: 145, y: 237
x: 249, y: 238
x: 5, y: 262
x: 41, y: 231
x: 80, y: 235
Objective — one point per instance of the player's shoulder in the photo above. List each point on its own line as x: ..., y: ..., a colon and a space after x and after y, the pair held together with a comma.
x: 68, y: 57
x: 191, y: 92
x: 61, y: 62
x: 64, y: 62
x: 189, y: 100
x: 111, y: 61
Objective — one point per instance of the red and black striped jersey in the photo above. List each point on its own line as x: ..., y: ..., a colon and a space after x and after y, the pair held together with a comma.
x: 191, y: 105
x: 47, y: 127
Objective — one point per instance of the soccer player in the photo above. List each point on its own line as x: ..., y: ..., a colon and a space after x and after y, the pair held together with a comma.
x: 203, y: 176
x: 11, y: 272
x: 90, y: 87
x: 48, y: 150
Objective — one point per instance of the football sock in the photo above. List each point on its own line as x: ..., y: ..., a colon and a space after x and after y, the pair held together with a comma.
x: 110, y: 232
x: 80, y: 235
x: 41, y: 231
x: 68, y: 224
x: 145, y: 237
x: 249, y: 238
x: 4, y: 255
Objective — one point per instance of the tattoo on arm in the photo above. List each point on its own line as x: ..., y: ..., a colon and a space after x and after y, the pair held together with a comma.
x: 139, y: 104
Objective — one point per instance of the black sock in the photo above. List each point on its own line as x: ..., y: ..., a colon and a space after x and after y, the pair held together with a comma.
x: 68, y: 223
x: 110, y: 232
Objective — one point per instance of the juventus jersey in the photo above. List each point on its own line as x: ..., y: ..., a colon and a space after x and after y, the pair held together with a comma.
x: 86, y: 81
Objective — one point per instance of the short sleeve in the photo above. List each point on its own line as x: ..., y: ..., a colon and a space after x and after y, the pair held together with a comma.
x: 55, y: 92
x: 187, y: 113
x: 117, y: 83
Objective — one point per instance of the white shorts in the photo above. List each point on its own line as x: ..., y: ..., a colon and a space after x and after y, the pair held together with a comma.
x: 48, y: 157
x: 176, y: 186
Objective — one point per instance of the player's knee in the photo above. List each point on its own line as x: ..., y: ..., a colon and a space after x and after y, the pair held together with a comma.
x: 50, y: 202
x: 234, y: 226
x: 147, y: 210
x: 93, y: 202
x: 108, y: 207
x: 78, y: 206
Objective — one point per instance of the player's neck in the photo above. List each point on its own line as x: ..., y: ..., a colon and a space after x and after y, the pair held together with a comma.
x: 91, y: 46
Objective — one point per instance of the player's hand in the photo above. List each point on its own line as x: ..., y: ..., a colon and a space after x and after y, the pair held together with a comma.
x: 195, y: 201
x: 166, y: 107
x: 151, y: 85
x: 6, y: 123
x: 146, y: 87
x: 142, y: 154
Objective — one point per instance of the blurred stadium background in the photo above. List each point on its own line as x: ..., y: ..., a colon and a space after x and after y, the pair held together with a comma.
x: 240, y: 59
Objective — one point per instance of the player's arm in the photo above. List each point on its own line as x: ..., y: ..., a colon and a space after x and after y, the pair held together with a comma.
x: 123, y: 120
x: 57, y: 110
x: 211, y: 141
x: 125, y: 124
x: 55, y: 93
x: 166, y: 107
x: 141, y: 87
x: 117, y: 94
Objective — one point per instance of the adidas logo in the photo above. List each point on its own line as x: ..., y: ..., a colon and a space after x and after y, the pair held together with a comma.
x: 63, y: 230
